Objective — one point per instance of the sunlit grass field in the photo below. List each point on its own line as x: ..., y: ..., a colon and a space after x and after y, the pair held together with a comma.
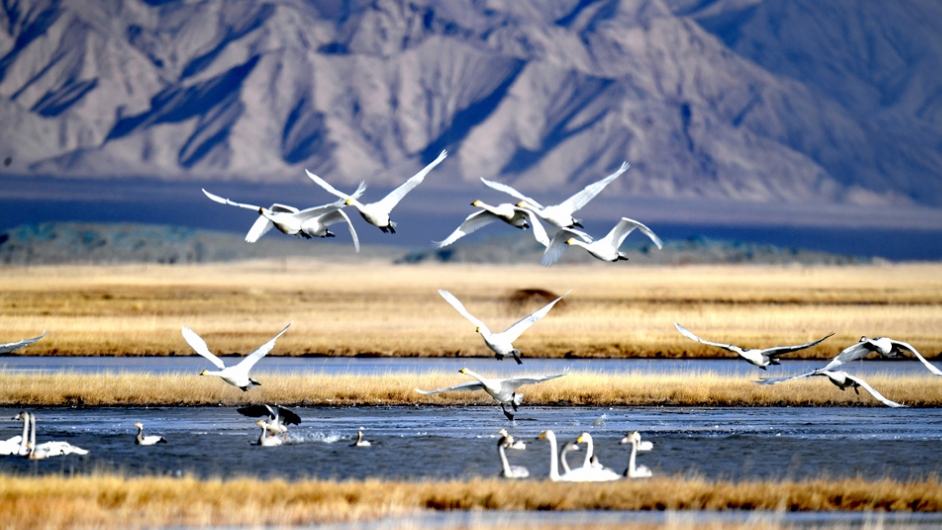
x: 374, y: 308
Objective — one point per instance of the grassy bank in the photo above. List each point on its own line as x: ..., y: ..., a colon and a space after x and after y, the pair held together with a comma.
x: 578, y: 388
x: 379, y: 309
x: 112, y: 501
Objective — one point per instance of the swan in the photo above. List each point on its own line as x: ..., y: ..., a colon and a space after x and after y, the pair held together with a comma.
x: 634, y: 470
x: 576, y: 475
x: 153, y: 439
x: 757, y: 357
x: 560, y: 215
x: 510, y: 442
x: 564, y: 459
x: 360, y: 441
x: 507, y: 470
x: 591, y: 459
x: 278, y: 417
x: 377, y: 213
x: 17, y: 444
x: 307, y: 223
x: 884, y: 346
x: 265, y: 438
x: 237, y: 375
x: 605, y: 249
x: 500, y: 343
x: 841, y: 379
x: 47, y: 449
x: 504, y: 391
x: 11, y: 346
x: 506, y: 212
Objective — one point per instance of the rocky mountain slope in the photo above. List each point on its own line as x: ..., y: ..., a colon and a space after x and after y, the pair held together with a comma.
x: 741, y: 99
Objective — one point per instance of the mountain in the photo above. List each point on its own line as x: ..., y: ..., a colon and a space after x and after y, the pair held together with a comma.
x: 745, y: 100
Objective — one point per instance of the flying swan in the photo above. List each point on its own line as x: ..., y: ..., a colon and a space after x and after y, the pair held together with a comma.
x: 841, y: 379
x: 11, y: 346
x: 237, y: 375
x: 605, y: 249
x: 756, y: 357
x: 307, y: 223
x: 513, y: 215
x: 560, y: 215
x: 377, y: 213
x: 153, y: 439
x: 504, y: 391
x: 500, y: 343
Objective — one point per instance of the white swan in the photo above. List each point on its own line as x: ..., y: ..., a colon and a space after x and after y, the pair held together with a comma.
x: 377, y: 213
x: 279, y: 418
x: 513, y: 215
x: 510, y: 442
x: 507, y: 470
x: 18, y: 444
x: 576, y: 475
x: 237, y: 375
x: 563, y: 455
x: 757, y: 357
x: 361, y: 442
x: 267, y: 439
x: 605, y: 249
x: 11, y: 346
x: 47, y: 449
x: 307, y: 223
x: 841, y: 379
x: 504, y: 391
x: 634, y: 470
x: 884, y: 346
x: 153, y: 439
x: 560, y: 215
x: 500, y: 343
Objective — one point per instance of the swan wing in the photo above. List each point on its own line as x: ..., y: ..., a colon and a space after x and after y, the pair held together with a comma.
x: 850, y: 354
x: 317, y: 211
x: 327, y: 187
x: 777, y: 380
x: 539, y: 233
x: 510, y: 191
x: 261, y: 227
x: 471, y: 223
x: 10, y: 346
x: 199, y: 346
x: 624, y: 227
x: 390, y: 201
x: 922, y: 359
x: 338, y: 216
x: 288, y: 416
x: 513, y: 332
x: 873, y: 392
x: 558, y: 245
x: 686, y: 333
x: 514, y: 383
x: 220, y: 200
x: 247, y: 363
x: 257, y: 411
x: 580, y: 199
x: 472, y: 385
x: 782, y: 350
x: 459, y: 307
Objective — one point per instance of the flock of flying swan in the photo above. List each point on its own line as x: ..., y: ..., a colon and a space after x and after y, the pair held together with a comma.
x: 526, y: 213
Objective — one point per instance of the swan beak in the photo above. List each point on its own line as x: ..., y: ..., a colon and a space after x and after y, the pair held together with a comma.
x: 580, y: 439
x: 521, y: 204
x: 463, y: 370
x: 477, y: 329
x: 348, y: 202
x: 541, y: 436
x: 138, y: 425
x: 570, y: 240
x: 203, y: 372
x: 261, y: 210
x: 476, y: 203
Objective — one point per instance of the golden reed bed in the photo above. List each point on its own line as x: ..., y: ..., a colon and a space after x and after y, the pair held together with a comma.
x: 375, y: 308
x: 114, y: 501
x: 579, y: 388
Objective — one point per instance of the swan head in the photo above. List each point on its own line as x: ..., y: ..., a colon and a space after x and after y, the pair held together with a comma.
x: 204, y: 372
x: 477, y: 329
x: 477, y: 203
x: 570, y: 240
x: 463, y: 371
x: 502, y: 432
x: 631, y: 438
x: 348, y: 202
x: 864, y: 339
x: 544, y: 435
x: 139, y: 425
x: 582, y: 438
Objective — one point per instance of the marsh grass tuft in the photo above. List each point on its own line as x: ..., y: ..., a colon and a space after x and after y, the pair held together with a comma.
x: 115, y: 501
x: 579, y: 388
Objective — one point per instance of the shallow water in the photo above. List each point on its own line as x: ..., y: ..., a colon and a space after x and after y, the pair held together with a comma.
x: 460, y: 442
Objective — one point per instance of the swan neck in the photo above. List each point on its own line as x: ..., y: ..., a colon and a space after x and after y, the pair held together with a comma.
x: 631, y: 458
x: 589, y: 448
x: 554, y: 465
x: 503, y: 460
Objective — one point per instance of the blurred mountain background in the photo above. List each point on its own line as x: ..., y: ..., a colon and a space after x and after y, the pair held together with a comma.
x: 770, y: 120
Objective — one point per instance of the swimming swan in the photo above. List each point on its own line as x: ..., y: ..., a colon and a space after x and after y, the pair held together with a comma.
x: 507, y: 470
x: 506, y: 212
x: 361, y: 442
x: 377, y: 213
x: 560, y: 215
x: 237, y: 375
x: 634, y: 470
x: 504, y: 391
x: 757, y: 357
x: 575, y: 475
x: 307, y: 223
x: 153, y: 439
x: 265, y: 438
x: 47, y: 449
x: 278, y: 417
x: 500, y: 343
x: 510, y: 442
x: 17, y: 444
x: 605, y: 249
x: 11, y: 346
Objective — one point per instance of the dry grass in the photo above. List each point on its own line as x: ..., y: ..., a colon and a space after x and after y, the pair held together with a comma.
x: 110, y: 501
x: 378, y: 309
x: 577, y: 389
